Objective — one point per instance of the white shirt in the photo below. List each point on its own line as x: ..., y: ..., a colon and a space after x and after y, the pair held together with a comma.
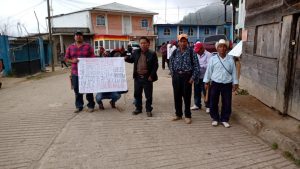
x: 170, y: 50
x: 203, y: 61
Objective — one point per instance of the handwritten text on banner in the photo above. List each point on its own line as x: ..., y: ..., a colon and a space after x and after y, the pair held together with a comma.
x: 101, y: 75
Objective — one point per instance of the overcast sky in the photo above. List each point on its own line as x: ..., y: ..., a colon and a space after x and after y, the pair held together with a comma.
x: 21, y: 12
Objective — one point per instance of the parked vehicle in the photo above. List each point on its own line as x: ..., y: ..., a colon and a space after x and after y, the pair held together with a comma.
x: 135, y: 45
x: 210, y: 41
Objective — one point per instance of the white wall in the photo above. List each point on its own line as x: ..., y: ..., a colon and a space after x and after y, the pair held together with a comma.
x: 242, y: 15
x: 80, y: 19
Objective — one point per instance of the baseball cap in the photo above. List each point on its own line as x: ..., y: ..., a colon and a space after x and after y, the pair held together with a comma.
x: 198, y: 46
x: 182, y: 36
x: 78, y: 32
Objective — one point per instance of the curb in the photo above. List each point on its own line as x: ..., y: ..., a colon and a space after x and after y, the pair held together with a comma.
x: 268, y: 135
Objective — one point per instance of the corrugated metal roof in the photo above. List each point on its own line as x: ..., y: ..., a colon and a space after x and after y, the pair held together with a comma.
x: 114, y: 7
x: 210, y: 15
x: 117, y: 7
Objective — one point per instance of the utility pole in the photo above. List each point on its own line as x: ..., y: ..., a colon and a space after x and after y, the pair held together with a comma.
x: 50, y: 36
x: 165, y: 11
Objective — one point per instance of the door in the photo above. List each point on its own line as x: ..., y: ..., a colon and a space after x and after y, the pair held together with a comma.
x: 294, y: 99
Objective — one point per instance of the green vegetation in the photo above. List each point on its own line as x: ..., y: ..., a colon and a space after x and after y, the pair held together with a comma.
x: 291, y: 157
x: 242, y: 92
x: 274, y: 146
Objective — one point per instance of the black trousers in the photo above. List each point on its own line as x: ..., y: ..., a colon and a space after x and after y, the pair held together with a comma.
x: 164, y: 60
x: 182, y: 89
x: 79, y: 97
x: 225, y: 90
x: 141, y: 84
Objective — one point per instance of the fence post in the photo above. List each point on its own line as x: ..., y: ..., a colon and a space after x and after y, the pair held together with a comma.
x: 42, y: 53
x: 4, y: 53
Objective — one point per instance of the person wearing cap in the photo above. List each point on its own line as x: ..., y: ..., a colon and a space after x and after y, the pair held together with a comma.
x: 144, y: 74
x: 203, y: 58
x: 221, y: 72
x: 184, y: 67
x: 79, y: 49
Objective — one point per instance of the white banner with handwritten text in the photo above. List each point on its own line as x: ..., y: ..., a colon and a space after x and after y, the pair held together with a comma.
x: 101, y: 75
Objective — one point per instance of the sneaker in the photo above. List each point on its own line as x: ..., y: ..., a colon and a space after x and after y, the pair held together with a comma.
x: 90, y: 110
x: 195, y: 107
x: 113, y: 104
x: 149, y: 114
x: 101, y: 107
x: 214, y: 123
x: 188, y: 120
x: 77, y: 110
x: 207, y: 110
x: 226, y: 124
x: 136, y: 112
x: 176, y: 118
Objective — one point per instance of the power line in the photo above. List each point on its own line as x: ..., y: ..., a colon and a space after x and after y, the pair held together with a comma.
x: 32, y: 7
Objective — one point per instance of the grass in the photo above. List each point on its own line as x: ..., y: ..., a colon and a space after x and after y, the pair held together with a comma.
x: 274, y: 146
x: 242, y: 92
x: 291, y: 157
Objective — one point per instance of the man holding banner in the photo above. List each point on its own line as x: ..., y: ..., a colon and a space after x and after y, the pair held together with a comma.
x: 79, y: 49
x: 144, y: 74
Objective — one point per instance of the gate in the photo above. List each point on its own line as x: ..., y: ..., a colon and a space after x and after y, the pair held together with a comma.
x: 294, y: 94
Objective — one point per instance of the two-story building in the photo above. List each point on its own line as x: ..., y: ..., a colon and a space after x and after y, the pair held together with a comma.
x: 111, y: 26
x: 205, y: 22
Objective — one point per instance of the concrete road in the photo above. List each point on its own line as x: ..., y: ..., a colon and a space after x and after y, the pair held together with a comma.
x: 38, y: 129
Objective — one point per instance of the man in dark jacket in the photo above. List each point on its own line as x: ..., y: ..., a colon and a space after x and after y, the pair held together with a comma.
x: 144, y: 74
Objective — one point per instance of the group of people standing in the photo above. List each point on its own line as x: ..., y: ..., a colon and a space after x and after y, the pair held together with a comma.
x: 213, y: 73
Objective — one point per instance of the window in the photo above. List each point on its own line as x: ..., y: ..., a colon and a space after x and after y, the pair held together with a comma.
x: 96, y: 44
x: 100, y: 20
x: 144, y: 23
x: 180, y: 31
x: 191, y: 32
x: 106, y: 44
x: 267, y: 38
x: 112, y: 44
x: 206, y: 31
x: 101, y: 43
x: 167, y: 31
x: 117, y: 44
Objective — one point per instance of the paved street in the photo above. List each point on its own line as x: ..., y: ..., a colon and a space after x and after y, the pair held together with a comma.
x: 39, y: 130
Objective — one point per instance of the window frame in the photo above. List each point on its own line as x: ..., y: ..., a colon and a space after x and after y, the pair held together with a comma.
x: 167, y: 31
x: 206, y: 31
x: 180, y: 31
x: 102, y: 18
x: 144, y: 23
x: 191, y: 31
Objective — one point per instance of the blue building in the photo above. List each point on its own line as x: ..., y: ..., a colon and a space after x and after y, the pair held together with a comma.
x: 205, y: 22
x: 168, y: 32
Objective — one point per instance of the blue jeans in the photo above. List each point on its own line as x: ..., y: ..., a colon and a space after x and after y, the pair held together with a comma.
x: 79, y: 96
x: 198, y: 89
x: 225, y: 90
x: 114, y: 96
